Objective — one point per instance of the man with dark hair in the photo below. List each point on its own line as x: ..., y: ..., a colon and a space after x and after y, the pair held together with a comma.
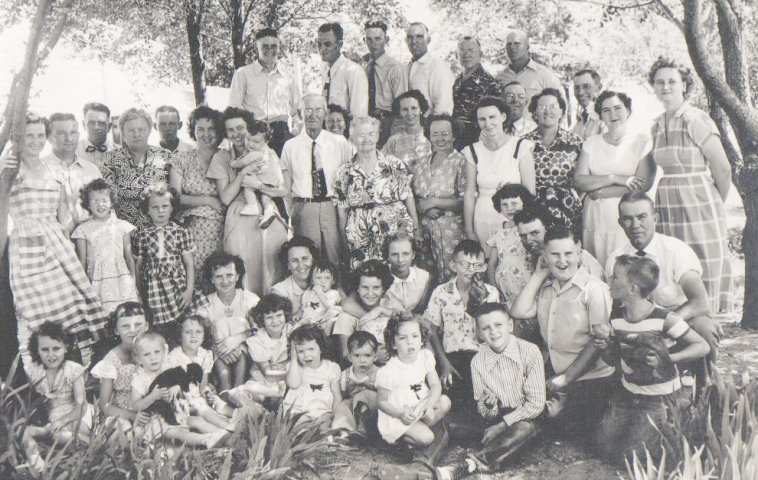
x: 569, y: 304
x: 587, y: 86
x: 97, y: 123
x: 168, y: 123
x: 345, y: 82
x: 75, y: 172
x: 386, y: 79
x: 470, y: 86
x: 268, y: 89
x: 680, y: 286
x: 427, y: 73
x: 534, y: 76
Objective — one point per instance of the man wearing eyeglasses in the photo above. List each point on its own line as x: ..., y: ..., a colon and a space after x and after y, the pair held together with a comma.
x: 268, y: 89
x: 469, y: 87
x: 515, y: 104
x: 310, y: 162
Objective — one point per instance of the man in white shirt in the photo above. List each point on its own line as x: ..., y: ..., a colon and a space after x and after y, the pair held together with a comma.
x: 428, y: 74
x: 345, y: 82
x: 515, y: 104
x: 680, y: 286
x: 386, y: 78
x: 310, y: 162
x: 97, y: 123
x: 75, y: 172
x: 268, y: 89
x: 534, y: 76
x: 587, y: 86
x: 168, y: 123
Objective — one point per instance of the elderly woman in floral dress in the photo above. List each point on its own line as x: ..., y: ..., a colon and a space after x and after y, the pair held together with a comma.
x: 135, y: 165
x: 438, y: 185
x: 374, y: 196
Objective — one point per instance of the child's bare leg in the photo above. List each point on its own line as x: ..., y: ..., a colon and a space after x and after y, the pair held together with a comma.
x: 440, y: 410
x: 199, y: 424
x: 214, y: 418
x: 223, y: 374
x: 249, y: 194
x: 343, y: 416
x: 184, y: 435
x: 419, y: 434
x: 240, y: 370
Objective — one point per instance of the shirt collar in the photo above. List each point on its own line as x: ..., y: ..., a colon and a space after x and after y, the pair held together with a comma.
x: 337, y: 63
x: 580, y: 279
x: 424, y: 59
x: 381, y: 61
x: 651, y: 248
x: 59, y: 162
x: 258, y: 67
x: 411, y: 276
x: 491, y: 358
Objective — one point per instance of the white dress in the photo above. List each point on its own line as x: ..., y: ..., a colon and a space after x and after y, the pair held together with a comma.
x: 494, y: 168
x: 314, y: 398
x: 407, y: 385
x: 106, y: 267
x: 601, y: 233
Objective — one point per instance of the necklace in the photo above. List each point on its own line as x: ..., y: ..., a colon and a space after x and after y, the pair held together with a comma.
x: 229, y: 308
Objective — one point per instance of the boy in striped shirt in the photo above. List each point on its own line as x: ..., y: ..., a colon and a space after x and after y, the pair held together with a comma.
x: 642, y: 333
x: 508, y: 377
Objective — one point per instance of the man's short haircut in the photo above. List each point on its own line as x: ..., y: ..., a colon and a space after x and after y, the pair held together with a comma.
x: 623, y: 97
x: 469, y: 38
x: 96, y: 107
x: 468, y: 247
x: 60, y: 117
x: 593, y: 73
x: 399, y: 236
x: 167, y: 109
x: 360, y: 339
x: 320, y: 97
x: 636, y: 196
x: 560, y: 232
x: 640, y: 271
x: 512, y: 83
x: 488, y: 307
x: 334, y: 27
x: 375, y: 24
x: 534, y: 212
x: 266, y: 32
x: 419, y: 24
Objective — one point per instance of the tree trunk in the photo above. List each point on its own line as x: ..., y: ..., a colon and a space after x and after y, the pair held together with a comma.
x: 749, y: 183
x: 194, y: 11
x: 238, y: 34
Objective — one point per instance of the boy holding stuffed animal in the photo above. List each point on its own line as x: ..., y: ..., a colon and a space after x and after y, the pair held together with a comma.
x: 640, y: 337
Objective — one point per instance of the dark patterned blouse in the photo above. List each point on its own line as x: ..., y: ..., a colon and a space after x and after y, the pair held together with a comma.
x: 130, y: 179
x: 554, y: 166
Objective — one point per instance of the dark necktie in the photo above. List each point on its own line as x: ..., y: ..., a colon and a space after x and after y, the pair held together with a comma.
x: 317, y: 176
x: 641, y: 253
x: 327, y: 84
x: 584, y: 116
x: 99, y: 148
x: 371, y: 86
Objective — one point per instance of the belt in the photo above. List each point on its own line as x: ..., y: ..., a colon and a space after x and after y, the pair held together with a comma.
x: 313, y: 200
x: 685, y: 175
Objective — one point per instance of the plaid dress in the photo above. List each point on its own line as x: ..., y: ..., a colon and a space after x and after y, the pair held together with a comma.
x: 162, y: 275
x: 687, y: 202
x: 47, y: 280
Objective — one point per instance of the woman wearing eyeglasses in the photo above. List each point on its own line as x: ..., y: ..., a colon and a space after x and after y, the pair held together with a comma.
x: 555, y: 154
x: 438, y: 185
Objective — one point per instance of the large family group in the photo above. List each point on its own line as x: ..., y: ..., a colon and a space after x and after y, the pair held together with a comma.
x: 428, y: 256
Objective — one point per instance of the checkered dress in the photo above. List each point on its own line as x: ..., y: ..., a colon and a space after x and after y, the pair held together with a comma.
x: 47, y: 280
x: 687, y: 202
x: 163, y: 278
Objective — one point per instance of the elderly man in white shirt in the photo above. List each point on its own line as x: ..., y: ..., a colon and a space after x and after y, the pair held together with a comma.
x: 427, y: 73
x: 587, y: 86
x: 75, y: 172
x: 345, y: 82
x: 268, y: 89
x: 310, y: 162
x: 680, y: 286
x: 96, y: 123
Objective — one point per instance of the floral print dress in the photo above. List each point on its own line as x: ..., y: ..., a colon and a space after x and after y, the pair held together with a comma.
x: 375, y: 204
x: 513, y: 267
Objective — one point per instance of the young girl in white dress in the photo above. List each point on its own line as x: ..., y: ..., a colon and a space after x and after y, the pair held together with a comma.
x: 320, y: 304
x: 314, y: 381
x: 104, y: 246
x: 409, y: 391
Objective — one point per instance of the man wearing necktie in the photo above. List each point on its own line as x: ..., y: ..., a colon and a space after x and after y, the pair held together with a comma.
x: 386, y: 80
x: 96, y: 123
x: 427, y: 73
x: 345, y: 82
x: 309, y: 164
x: 680, y: 286
x: 587, y: 86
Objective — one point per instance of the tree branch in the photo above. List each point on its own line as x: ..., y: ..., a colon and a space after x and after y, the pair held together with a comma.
x: 669, y: 14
